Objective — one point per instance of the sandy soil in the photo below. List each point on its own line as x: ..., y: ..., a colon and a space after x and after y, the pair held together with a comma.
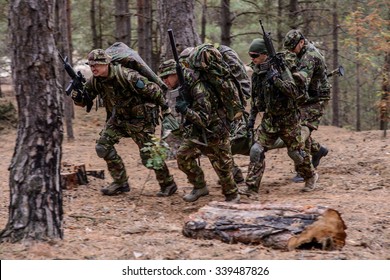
x: 354, y: 180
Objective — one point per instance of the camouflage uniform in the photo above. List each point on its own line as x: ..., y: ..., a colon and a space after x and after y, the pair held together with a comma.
x: 311, y: 63
x: 132, y: 105
x: 229, y: 64
x: 205, y: 132
x: 169, y: 135
x: 281, y: 119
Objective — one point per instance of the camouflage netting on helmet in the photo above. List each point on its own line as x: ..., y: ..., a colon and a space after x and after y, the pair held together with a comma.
x: 208, y: 60
x: 126, y: 56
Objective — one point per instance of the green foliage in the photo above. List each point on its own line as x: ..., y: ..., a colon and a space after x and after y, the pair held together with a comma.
x: 158, y: 153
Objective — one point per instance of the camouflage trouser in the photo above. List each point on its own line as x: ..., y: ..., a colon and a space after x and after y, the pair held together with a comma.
x: 141, y: 134
x: 311, y: 116
x: 219, y: 154
x: 291, y: 135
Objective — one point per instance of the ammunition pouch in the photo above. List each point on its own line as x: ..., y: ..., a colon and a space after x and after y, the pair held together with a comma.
x: 148, y: 111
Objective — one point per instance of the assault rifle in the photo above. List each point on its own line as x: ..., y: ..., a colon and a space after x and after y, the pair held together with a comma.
x: 339, y: 71
x: 77, y: 83
x: 275, y: 59
x: 182, y: 82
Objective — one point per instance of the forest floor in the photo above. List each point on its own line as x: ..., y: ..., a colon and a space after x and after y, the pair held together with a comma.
x: 354, y: 180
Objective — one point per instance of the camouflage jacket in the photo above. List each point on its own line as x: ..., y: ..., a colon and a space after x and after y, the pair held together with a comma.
x: 277, y: 100
x: 311, y: 62
x: 203, y: 111
x: 126, y: 94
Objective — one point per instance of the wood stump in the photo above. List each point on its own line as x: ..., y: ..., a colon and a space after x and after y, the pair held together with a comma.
x: 283, y: 227
x: 73, y: 175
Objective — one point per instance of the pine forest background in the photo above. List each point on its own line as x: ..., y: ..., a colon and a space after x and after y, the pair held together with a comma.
x: 352, y: 33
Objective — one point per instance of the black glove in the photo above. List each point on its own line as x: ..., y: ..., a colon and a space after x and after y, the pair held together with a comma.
x: 165, y: 110
x: 77, y: 96
x: 251, y: 124
x: 272, y: 74
x: 181, y: 105
x: 183, y: 90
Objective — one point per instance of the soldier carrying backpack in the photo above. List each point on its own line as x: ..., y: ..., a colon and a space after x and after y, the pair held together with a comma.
x: 132, y: 102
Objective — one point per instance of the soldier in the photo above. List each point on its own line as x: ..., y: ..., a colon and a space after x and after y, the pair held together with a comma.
x: 238, y: 133
x: 311, y: 62
x: 171, y: 136
x: 132, y: 104
x: 204, y: 133
x: 275, y: 94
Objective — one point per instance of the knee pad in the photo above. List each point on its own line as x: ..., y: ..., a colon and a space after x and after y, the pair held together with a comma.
x: 256, y: 152
x: 105, y: 152
x: 297, y: 156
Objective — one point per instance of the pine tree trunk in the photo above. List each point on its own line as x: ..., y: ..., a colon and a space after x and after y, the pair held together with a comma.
x: 35, y: 210
x: 122, y: 22
x: 226, y: 23
x: 178, y: 15
x: 335, y: 84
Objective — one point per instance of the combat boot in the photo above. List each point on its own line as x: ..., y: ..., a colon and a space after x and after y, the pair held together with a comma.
x: 311, y: 183
x: 232, y: 198
x: 237, y: 175
x: 195, y: 194
x: 167, y: 190
x: 115, y: 188
x: 317, y: 156
x: 248, y: 191
x: 297, y: 179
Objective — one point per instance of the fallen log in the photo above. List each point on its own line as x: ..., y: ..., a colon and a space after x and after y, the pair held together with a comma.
x: 283, y: 227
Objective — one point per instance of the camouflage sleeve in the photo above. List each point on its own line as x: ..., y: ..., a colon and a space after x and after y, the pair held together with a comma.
x: 314, y: 66
x: 148, y: 90
x: 257, y: 102
x: 199, y: 113
x: 287, y: 87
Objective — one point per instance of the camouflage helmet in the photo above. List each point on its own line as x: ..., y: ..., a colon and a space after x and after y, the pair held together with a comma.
x: 98, y: 56
x: 292, y: 39
x: 166, y: 68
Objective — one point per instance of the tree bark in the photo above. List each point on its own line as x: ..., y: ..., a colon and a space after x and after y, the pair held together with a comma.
x: 385, y: 96
x: 178, y: 15
x: 203, y: 22
x: 144, y: 31
x: 283, y: 227
x: 122, y: 22
x: 63, y: 38
x: 226, y: 23
x: 335, y: 84
x: 35, y: 210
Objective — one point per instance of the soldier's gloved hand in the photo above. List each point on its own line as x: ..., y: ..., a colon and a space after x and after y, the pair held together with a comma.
x: 272, y: 74
x: 181, y: 105
x: 77, y: 96
x: 165, y: 110
x: 183, y: 90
